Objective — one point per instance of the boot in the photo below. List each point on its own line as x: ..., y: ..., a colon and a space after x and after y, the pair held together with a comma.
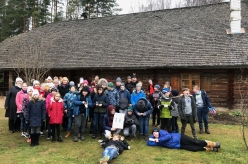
x: 100, y: 136
x: 213, y: 144
x: 75, y: 138
x: 146, y: 137
x: 201, y: 131
x: 93, y: 135
x: 211, y: 149
x: 60, y: 139
x: 82, y: 137
x: 53, y: 139
x: 207, y: 131
x: 140, y: 136
x: 37, y: 137
x: 67, y: 134
x: 32, y: 140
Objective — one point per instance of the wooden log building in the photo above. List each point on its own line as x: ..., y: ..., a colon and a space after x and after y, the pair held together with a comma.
x: 186, y: 46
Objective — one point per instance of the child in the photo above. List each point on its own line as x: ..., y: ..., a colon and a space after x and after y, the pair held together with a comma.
x: 112, y: 148
x: 174, y: 111
x: 36, y: 114
x: 56, y: 113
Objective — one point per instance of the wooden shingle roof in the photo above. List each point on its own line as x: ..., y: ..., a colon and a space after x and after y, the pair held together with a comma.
x: 184, y: 37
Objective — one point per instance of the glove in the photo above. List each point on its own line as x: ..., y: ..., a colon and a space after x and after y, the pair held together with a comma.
x: 27, y: 122
x: 170, y: 107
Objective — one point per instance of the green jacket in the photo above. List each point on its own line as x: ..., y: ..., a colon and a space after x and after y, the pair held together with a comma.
x: 166, y: 110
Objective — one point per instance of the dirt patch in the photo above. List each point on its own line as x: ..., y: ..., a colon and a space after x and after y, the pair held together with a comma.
x: 225, y: 118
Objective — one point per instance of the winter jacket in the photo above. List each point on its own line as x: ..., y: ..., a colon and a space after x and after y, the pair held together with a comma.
x: 174, y: 111
x: 106, y: 122
x: 48, y: 100
x: 10, y: 103
x: 125, y: 99
x: 63, y: 89
x: 181, y: 108
x: 136, y: 96
x: 19, y: 99
x: 68, y: 100
x: 147, y: 110
x: 77, y: 103
x: 100, y: 99
x: 130, y: 120
x: 36, y: 113
x: 25, y: 105
x: 129, y: 87
x: 120, y: 145
x: 166, y: 110
x: 157, y: 95
x: 56, y: 111
x: 113, y: 96
x: 206, y: 101
x: 168, y: 140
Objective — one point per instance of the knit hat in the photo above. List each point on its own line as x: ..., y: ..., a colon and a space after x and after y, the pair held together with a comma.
x: 30, y: 88
x: 18, y: 79
x: 141, y: 104
x: 122, y: 84
x: 165, y: 90
x: 118, y: 79
x: 157, y: 86
x: 71, y: 83
x: 85, y: 82
x: 36, y: 82
x: 138, y: 85
x: 174, y: 92
x: 110, y: 108
x: 49, y: 78
x: 93, y: 84
x: 35, y: 92
x: 86, y: 89
x: 130, y: 109
x: 54, y: 89
x: 155, y: 130
x: 129, y: 77
x: 111, y: 85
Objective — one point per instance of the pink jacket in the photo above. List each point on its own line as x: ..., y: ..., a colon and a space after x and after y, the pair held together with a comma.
x: 48, y: 100
x: 19, y: 98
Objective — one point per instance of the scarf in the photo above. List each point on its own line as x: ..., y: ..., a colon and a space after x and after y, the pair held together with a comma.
x: 24, y: 91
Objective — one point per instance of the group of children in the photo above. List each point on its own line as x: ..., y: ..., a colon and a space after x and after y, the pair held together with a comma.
x: 60, y: 102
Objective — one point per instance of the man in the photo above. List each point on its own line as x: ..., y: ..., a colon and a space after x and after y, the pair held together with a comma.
x: 202, y: 104
x: 150, y: 89
x: 128, y: 85
x: 143, y: 109
x: 134, y: 81
x: 118, y: 84
x: 113, y: 95
x: 125, y: 99
x: 179, y: 141
x: 187, y: 111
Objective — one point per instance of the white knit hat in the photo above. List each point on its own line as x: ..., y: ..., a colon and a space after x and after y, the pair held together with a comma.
x: 18, y: 79
x: 49, y: 78
x: 36, y: 82
x: 35, y: 92
x: 30, y: 88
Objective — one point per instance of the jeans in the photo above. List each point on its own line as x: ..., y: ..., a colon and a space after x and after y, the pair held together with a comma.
x: 201, y: 114
x: 111, y: 152
x: 97, y: 122
x: 144, y: 124
x: 70, y: 120
x: 23, y: 123
x: 130, y: 130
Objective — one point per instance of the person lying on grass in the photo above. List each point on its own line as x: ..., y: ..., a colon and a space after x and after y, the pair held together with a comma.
x: 112, y: 148
x: 178, y: 141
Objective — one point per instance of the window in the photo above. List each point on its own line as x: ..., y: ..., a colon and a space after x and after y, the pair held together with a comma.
x: 189, y: 80
x: 1, y: 79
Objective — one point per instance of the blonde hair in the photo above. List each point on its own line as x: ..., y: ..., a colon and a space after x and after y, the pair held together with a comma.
x: 65, y: 79
x: 57, y: 93
x: 196, y: 87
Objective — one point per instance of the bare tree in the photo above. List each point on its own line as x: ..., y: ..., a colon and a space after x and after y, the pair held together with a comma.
x: 200, y: 2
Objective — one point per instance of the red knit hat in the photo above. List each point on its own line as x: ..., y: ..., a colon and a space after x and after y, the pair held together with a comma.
x: 93, y: 84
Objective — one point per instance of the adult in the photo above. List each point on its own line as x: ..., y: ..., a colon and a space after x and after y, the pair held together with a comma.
x: 11, y: 108
x: 187, y: 112
x: 178, y: 141
x: 155, y: 97
x: 128, y: 85
x: 81, y: 102
x: 134, y: 81
x: 137, y: 94
x: 150, y: 89
x: 22, y: 94
x: 96, y: 79
x: 124, y: 99
x: 108, y: 122
x: 100, y: 103
x: 131, y: 124
x: 143, y: 109
x: 118, y: 84
x: 202, y: 104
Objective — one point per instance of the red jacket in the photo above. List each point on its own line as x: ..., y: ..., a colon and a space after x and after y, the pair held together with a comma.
x: 56, y: 111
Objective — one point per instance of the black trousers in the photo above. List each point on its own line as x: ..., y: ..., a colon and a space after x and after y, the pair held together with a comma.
x: 57, y: 127
x: 174, y: 124
x: 15, y: 125
x: 65, y: 121
x: 191, y: 122
x: 165, y: 124
x: 190, y: 144
x: 155, y: 112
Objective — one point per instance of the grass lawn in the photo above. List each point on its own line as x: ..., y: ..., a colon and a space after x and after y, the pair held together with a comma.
x: 15, y: 149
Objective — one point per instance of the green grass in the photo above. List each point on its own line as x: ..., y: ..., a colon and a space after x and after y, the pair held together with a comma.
x: 15, y: 149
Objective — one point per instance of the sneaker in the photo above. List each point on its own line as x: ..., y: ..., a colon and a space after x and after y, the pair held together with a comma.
x: 82, y: 137
x: 41, y: 134
x: 23, y: 134
x: 104, y: 160
x: 75, y: 139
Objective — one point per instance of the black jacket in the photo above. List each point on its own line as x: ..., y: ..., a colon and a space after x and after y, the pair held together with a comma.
x: 10, y: 103
x: 63, y: 90
x: 101, y: 99
x: 181, y: 107
x: 120, y: 145
x: 130, y: 120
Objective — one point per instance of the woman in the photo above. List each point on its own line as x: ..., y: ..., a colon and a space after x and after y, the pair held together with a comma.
x: 178, y: 141
x: 11, y: 108
x: 19, y: 103
x: 81, y: 103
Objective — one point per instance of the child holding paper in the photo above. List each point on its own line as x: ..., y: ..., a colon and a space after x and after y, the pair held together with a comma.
x: 108, y: 122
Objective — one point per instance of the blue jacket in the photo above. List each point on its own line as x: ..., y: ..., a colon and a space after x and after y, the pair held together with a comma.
x: 68, y: 100
x: 113, y: 96
x: 36, y: 113
x: 168, y: 140
x: 136, y: 96
x: 206, y: 101
x: 77, y: 103
x: 147, y: 110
